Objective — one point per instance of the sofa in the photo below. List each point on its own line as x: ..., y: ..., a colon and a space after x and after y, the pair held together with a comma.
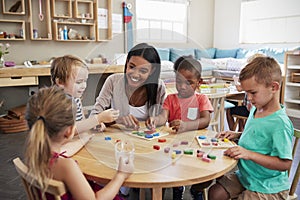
x: 223, y: 63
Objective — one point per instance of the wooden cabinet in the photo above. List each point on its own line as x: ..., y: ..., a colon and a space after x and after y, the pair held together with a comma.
x: 291, y: 85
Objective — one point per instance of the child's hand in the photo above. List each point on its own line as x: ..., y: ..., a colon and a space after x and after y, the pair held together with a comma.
x: 238, y: 152
x: 108, y: 116
x: 129, y: 121
x: 150, y: 123
x: 126, y: 166
x: 85, y: 137
x: 177, y: 125
x: 228, y: 134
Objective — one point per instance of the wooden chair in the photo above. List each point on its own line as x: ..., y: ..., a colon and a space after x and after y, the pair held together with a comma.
x: 55, y: 188
x: 238, y: 121
x: 295, y: 179
x: 217, y: 118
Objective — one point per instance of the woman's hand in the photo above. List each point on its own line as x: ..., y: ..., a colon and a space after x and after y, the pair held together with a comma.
x: 129, y: 121
x: 108, y: 116
x: 151, y: 123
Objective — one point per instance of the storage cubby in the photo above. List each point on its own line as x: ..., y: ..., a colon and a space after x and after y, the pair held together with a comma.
x: 83, y: 9
x: 104, y: 34
x: 61, y: 8
x: 85, y: 30
x: 14, y: 29
x: 40, y: 28
x: 13, y: 7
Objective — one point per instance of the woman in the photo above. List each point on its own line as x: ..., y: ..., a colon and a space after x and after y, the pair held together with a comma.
x: 138, y: 93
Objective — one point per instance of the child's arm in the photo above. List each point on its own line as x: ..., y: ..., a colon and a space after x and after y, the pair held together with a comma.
x: 106, y: 116
x: 197, y: 124
x: 270, y: 162
x: 158, y: 120
x: 69, y: 172
x: 76, y: 144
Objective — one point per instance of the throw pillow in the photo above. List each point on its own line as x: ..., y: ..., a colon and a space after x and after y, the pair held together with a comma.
x: 176, y: 53
x: 226, y: 53
x: 164, y: 53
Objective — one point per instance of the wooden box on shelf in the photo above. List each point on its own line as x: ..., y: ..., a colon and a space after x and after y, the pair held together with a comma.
x: 13, y: 7
x: 296, y: 77
x: 76, y: 31
x: 83, y: 9
x: 61, y: 8
x: 15, y: 29
x: 40, y: 23
x: 104, y: 34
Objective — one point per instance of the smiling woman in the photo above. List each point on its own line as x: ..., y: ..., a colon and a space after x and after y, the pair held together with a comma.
x: 136, y: 92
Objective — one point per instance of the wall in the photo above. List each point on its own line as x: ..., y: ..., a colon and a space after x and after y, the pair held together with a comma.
x: 200, y: 35
x: 227, y: 24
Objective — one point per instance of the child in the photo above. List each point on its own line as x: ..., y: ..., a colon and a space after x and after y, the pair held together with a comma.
x: 186, y: 110
x: 264, y: 153
x: 71, y: 73
x: 50, y: 118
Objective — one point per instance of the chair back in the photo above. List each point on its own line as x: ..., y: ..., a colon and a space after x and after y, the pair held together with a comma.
x: 217, y: 118
x: 33, y: 190
x: 295, y: 179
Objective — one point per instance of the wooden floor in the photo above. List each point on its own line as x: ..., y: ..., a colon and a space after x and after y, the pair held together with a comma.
x: 12, y: 145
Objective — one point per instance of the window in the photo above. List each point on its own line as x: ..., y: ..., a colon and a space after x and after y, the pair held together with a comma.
x: 161, y: 20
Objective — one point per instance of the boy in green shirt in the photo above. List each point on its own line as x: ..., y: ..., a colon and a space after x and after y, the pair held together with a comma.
x: 265, y: 146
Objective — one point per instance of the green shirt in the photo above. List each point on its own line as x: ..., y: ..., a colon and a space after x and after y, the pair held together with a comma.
x: 270, y: 135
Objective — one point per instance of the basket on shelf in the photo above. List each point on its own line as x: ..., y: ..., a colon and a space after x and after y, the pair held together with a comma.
x: 296, y: 77
x: 14, y: 121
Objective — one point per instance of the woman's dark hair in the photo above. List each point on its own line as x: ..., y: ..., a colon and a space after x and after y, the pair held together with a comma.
x: 150, y: 54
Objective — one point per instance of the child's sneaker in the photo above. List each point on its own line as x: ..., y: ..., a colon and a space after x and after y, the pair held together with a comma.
x: 178, y: 193
x: 196, y: 195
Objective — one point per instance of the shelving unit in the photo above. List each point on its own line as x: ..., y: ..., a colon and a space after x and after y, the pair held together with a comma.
x: 79, y: 16
x: 291, y: 94
x: 42, y: 27
x: 13, y: 28
x: 13, y: 7
x: 84, y: 29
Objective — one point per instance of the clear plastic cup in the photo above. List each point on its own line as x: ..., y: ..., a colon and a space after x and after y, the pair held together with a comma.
x: 124, y: 149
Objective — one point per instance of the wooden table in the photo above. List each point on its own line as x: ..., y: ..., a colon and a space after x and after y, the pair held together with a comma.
x: 153, y: 168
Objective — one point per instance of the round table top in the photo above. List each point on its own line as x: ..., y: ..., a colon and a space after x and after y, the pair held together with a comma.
x: 153, y: 168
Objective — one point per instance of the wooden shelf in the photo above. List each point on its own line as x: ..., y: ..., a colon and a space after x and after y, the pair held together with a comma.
x: 61, y: 8
x: 104, y: 34
x: 8, y: 7
x: 43, y: 27
x: 13, y: 28
x: 79, y: 15
x: 291, y: 94
x: 83, y: 29
x: 83, y: 9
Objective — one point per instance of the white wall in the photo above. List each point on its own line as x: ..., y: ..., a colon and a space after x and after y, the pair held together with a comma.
x: 227, y: 24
